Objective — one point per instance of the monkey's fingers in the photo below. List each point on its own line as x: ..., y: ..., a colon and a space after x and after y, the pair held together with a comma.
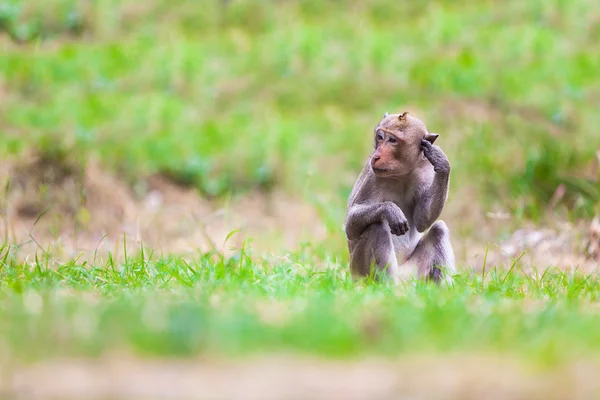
x: 426, y: 147
x: 404, y: 227
x: 399, y: 229
x: 395, y: 229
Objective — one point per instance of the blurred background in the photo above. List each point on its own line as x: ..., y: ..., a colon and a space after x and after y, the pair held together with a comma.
x: 189, y: 125
x: 192, y: 129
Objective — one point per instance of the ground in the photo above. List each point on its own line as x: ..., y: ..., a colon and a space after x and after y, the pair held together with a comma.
x: 454, y: 377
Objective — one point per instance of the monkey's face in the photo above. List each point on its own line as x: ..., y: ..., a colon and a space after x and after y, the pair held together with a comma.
x: 398, y: 145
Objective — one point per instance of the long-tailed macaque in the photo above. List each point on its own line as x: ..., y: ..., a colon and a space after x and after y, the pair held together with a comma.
x: 399, y: 195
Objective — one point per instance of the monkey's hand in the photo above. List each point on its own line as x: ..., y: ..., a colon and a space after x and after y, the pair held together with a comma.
x: 395, y: 218
x: 436, y: 157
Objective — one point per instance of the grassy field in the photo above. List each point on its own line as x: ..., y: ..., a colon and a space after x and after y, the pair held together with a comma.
x: 242, y: 98
x: 217, y: 310
x: 244, y: 304
x: 255, y: 94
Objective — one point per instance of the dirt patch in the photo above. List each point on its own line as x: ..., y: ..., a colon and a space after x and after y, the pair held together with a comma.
x: 71, y: 210
x: 561, y: 245
x: 593, y: 244
x: 426, y: 377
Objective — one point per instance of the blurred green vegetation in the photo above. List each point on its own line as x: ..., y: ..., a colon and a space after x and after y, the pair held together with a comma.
x: 240, y: 95
x: 230, y: 96
x: 244, y: 305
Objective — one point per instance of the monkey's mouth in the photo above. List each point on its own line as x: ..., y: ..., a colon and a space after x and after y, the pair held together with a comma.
x: 381, y: 171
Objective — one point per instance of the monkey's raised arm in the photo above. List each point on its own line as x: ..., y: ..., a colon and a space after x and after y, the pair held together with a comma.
x: 431, y: 202
x: 360, y: 216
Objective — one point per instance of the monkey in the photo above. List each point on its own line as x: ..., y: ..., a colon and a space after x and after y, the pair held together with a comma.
x: 398, y: 195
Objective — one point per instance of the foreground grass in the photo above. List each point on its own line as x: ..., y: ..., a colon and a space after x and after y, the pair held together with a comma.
x: 244, y: 305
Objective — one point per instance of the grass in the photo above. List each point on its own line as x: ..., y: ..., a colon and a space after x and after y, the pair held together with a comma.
x: 246, y: 305
x: 261, y: 94
x: 231, y: 97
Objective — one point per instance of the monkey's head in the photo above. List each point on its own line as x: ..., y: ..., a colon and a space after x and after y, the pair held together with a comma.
x: 398, y: 145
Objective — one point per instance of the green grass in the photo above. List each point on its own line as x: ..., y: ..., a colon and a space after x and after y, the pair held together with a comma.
x: 246, y: 305
x: 264, y: 93
x: 285, y: 94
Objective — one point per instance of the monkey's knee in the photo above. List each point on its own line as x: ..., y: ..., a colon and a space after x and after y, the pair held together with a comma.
x: 442, y: 262
x: 373, y: 252
x: 439, y: 231
x: 434, y: 255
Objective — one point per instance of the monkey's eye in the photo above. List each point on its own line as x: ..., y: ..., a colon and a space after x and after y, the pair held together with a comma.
x: 379, y: 135
x: 392, y: 140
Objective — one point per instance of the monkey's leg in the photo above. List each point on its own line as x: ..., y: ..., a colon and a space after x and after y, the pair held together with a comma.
x: 374, y: 249
x: 433, y: 257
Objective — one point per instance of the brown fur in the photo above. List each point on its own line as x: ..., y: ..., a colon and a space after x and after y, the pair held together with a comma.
x: 399, y: 194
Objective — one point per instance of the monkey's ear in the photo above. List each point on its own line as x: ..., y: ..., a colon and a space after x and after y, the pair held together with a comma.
x: 402, y: 116
x: 386, y: 114
x: 431, y: 137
